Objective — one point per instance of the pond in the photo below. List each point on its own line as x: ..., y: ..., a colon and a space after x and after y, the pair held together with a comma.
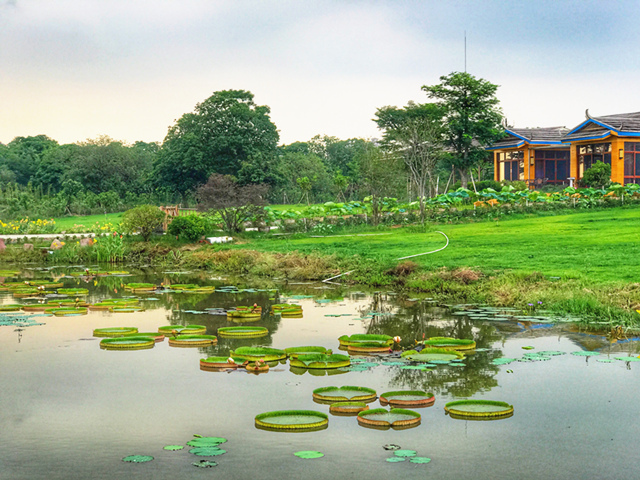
x: 73, y: 410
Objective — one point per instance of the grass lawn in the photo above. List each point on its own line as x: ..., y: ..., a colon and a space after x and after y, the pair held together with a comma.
x: 67, y: 223
x: 602, y: 246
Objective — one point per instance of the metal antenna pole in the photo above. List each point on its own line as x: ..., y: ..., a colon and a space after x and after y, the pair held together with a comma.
x: 465, y: 51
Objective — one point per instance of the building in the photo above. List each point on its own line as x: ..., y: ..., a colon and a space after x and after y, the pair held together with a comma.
x: 534, y: 155
x: 541, y: 156
x: 612, y: 139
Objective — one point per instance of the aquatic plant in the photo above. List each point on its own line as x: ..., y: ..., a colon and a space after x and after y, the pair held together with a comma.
x: 289, y: 420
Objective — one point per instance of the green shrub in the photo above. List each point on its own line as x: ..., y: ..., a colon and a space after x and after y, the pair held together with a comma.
x: 144, y: 220
x: 598, y: 176
x: 482, y: 184
x: 191, y: 227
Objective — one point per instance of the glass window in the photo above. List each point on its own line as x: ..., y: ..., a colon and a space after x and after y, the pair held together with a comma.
x: 628, y: 164
x: 631, y: 162
x: 562, y: 172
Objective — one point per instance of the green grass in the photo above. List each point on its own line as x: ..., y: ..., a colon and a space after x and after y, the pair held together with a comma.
x: 67, y: 223
x: 603, y: 246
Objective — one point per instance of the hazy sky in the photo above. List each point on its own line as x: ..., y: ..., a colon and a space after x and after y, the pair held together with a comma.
x: 76, y: 69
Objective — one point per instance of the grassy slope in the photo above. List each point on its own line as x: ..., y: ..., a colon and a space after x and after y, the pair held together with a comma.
x: 602, y: 246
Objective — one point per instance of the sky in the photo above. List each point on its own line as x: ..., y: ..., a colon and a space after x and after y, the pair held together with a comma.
x: 78, y: 69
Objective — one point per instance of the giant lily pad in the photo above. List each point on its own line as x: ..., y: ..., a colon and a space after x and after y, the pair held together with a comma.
x: 344, y: 394
x: 292, y: 420
x: 259, y: 353
x: 475, y: 409
x: 395, y: 418
x: 244, y: 332
x: 448, y: 343
x: 320, y: 360
x: 431, y: 354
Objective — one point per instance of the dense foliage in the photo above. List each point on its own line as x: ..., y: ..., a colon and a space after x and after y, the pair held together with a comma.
x: 144, y: 219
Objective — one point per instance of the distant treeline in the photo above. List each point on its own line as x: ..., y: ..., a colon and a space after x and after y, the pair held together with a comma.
x: 226, y: 134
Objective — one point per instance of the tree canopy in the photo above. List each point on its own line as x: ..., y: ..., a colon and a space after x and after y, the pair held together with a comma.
x: 416, y: 134
x: 472, y: 117
x: 224, y: 132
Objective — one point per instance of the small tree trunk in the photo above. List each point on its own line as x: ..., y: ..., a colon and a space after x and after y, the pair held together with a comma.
x: 464, y: 177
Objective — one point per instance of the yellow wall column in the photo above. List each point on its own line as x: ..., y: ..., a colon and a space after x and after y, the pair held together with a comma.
x: 496, y: 167
x: 573, y: 161
x: 525, y: 153
x: 617, y: 163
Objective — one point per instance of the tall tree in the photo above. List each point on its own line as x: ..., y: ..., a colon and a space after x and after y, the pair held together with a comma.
x: 379, y: 174
x: 234, y: 203
x: 416, y: 133
x: 224, y: 132
x: 25, y: 154
x: 472, y: 117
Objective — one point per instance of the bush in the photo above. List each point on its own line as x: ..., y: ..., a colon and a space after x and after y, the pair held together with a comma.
x: 482, y: 184
x: 519, y: 185
x: 598, y: 176
x: 190, y: 228
x: 144, y: 219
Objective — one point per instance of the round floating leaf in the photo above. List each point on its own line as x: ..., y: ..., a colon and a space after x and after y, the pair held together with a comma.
x: 413, y: 367
x: 309, y: 454
x: 584, y: 353
x: 528, y: 347
x: 605, y: 360
x: 207, y: 451
x: 419, y: 460
x: 405, y: 453
x: 503, y: 361
x: 396, y: 459
x: 628, y: 359
x: 551, y: 353
x: 173, y: 448
x: 205, y: 464
x: 206, y: 441
x: 138, y: 458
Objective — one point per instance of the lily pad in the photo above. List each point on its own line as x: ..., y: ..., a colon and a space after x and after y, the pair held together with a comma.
x: 138, y: 458
x: 173, y: 448
x: 396, y: 459
x: 628, y: 359
x: 207, y: 451
x: 584, y: 353
x: 419, y: 460
x: 405, y: 453
x: 309, y: 454
x: 206, y: 441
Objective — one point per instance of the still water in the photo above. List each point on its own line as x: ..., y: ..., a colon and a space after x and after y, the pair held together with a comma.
x: 71, y: 410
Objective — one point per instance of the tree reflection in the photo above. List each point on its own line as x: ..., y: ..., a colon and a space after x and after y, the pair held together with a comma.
x: 413, y: 321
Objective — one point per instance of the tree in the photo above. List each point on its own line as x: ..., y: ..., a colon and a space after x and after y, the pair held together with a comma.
x: 25, y: 154
x: 378, y: 173
x: 472, y: 117
x: 224, y: 131
x: 293, y: 165
x: 416, y: 133
x: 144, y: 219
x: 234, y: 203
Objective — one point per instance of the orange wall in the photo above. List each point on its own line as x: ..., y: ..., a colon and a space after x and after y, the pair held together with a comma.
x: 617, y: 163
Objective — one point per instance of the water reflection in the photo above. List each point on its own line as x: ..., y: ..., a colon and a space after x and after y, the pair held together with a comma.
x: 59, y: 390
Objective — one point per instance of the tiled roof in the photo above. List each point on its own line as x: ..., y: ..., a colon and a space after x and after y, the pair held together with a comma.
x: 600, y: 127
x: 517, y: 136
